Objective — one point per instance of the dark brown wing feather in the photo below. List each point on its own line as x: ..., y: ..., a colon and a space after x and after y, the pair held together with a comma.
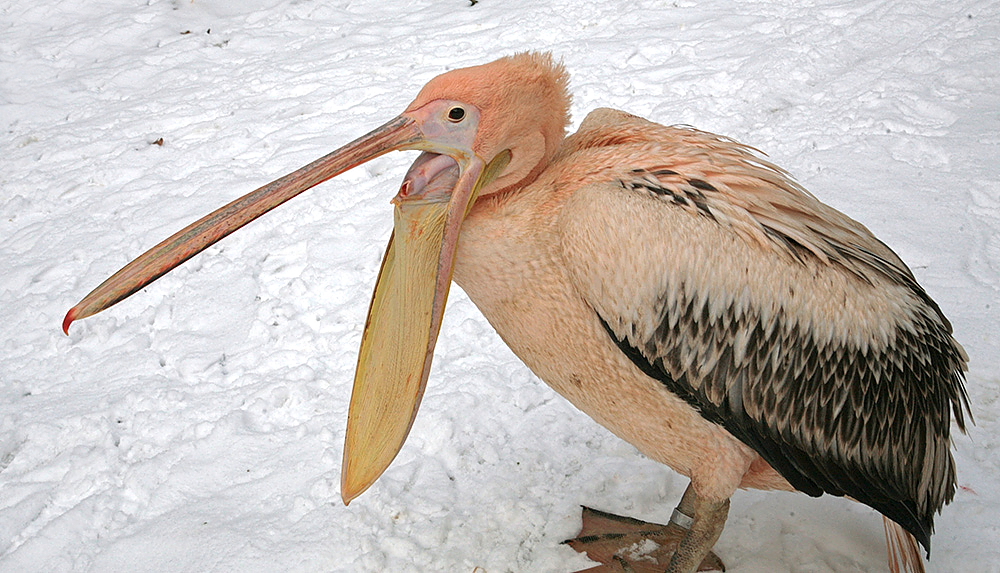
x: 847, y: 389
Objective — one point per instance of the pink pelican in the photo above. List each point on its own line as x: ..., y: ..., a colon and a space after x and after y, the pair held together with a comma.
x: 681, y: 290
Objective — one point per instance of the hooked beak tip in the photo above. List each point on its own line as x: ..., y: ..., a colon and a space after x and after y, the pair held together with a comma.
x: 70, y: 317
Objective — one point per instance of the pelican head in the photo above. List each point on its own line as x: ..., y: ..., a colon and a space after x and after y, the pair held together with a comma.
x: 482, y: 130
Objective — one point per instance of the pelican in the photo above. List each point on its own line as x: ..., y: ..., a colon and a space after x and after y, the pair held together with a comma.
x: 674, y: 285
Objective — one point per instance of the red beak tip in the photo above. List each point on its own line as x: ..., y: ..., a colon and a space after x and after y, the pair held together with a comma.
x: 70, y: 317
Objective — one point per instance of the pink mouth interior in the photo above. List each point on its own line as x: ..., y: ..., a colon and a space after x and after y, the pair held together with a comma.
x: 432, y: 177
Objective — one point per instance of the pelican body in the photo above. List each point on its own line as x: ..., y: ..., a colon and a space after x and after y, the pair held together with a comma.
x: 672, y: 284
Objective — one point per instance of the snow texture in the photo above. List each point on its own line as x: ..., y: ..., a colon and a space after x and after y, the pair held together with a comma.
x: 198, y: 426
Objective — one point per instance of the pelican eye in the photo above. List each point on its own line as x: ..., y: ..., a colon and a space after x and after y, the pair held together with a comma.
x: 456, y: 114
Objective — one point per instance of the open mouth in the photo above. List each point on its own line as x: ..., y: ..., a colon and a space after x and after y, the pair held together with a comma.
x: 432, y: 177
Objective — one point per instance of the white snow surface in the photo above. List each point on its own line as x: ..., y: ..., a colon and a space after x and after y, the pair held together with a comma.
x: 198, y: 426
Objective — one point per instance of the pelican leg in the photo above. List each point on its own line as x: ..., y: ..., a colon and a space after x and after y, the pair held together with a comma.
x: 704, y: 520
x: 626, y: 545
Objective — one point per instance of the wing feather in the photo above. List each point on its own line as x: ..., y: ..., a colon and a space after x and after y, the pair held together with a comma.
x: 776, y: 316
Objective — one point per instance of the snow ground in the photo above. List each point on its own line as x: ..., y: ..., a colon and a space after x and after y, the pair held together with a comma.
x: 198, y: 425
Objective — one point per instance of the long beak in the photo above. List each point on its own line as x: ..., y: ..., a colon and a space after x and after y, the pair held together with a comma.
x: 402, y: 132
x: 408, y: 304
